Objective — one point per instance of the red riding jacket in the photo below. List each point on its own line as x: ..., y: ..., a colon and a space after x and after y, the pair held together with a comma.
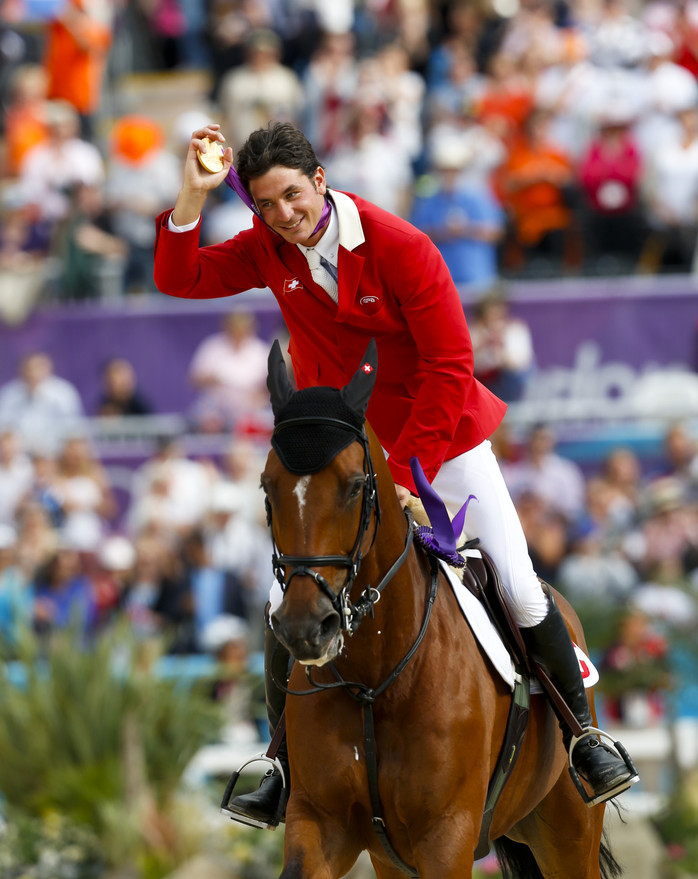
x: 393, y: 286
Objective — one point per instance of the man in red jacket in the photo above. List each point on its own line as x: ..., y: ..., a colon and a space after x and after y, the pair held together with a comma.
x: 343, y: 272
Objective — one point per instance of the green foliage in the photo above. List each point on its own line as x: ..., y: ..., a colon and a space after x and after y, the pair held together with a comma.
x: 94, y: 736
x: 678, y: 828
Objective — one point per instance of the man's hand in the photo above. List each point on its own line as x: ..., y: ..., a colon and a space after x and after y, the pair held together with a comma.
x: 403, y: 495
x: 198, y: 182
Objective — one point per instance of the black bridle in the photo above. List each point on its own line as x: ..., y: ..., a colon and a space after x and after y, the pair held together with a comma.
x: 350, y: 614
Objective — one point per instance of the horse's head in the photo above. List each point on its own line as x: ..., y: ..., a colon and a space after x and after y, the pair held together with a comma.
x: 322, y: 505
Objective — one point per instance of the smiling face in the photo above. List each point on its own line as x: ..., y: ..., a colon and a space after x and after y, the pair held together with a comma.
x: 291, y: 203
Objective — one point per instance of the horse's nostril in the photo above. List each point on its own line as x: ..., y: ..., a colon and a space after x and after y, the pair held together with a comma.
x: 329, y: 626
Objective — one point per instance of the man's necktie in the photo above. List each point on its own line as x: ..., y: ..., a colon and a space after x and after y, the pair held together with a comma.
x: 323, y: 272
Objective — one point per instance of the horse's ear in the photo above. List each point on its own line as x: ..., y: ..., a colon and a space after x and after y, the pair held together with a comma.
x: 358, y: 392
x: 278, y: 382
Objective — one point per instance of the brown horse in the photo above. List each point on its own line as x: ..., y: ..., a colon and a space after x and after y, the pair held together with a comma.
x: 439, y: 710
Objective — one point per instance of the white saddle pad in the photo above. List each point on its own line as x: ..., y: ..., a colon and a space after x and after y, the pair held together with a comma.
x: 484, y: 630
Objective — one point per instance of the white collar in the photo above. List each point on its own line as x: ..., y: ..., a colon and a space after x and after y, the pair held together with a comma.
x: 344, y: 227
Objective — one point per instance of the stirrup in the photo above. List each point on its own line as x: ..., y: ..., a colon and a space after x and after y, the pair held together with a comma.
x: 238, y: 816
x: 620, y: 751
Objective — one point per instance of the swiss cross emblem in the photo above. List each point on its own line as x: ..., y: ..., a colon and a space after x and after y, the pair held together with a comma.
x: 290, y: 286
x: 367, y: 368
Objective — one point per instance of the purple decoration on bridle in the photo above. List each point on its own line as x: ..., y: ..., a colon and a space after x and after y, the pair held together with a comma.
x: 234, y: 182
x: 442, y: 537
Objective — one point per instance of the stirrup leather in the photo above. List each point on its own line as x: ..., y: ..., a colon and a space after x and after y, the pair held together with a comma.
x: 227, y: 796
x: 620, y: 751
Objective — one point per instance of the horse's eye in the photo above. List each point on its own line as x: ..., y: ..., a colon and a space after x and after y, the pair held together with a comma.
x: 356, y: 488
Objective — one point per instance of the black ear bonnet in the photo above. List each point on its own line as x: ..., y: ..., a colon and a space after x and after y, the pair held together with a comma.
x: 307, y: 448
x: 306, y: 434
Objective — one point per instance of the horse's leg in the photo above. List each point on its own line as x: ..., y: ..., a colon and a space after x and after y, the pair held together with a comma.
x: 318, y: 846
x: 564, y: 834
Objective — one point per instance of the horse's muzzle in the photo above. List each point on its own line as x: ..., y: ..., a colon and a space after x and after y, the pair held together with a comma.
x: 311, y: 640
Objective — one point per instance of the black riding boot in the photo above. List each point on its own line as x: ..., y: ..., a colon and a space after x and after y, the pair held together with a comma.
x: 266, y: 806
x: 550, y: 645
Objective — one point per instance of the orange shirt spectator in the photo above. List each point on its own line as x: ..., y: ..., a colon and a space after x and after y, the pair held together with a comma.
x: 532, y: 182
x: 25, y: 117
x: 77, y: 46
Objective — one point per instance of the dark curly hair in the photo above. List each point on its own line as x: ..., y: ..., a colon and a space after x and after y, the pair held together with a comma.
x: 280, y: 143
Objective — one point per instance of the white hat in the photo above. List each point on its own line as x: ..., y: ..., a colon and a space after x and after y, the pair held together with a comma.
x: 227, y: 498
x: 117, y: 554
x: 222, y: 630
x: 8, y: 536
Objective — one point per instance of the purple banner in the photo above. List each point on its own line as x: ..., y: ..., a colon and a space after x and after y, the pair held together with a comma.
x: 593, y: 332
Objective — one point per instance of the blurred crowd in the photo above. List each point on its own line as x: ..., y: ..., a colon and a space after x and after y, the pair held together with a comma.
x: 526, y: 137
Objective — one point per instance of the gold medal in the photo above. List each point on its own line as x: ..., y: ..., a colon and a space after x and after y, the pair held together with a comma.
x: 212, y: 159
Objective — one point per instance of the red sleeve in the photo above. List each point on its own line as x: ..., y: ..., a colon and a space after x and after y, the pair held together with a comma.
x: 187, y: 271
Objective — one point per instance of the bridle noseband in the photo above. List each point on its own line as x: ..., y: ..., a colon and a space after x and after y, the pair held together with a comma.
x: 350, y: 614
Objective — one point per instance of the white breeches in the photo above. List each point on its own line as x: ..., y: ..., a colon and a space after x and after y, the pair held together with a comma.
x: 492, y: 517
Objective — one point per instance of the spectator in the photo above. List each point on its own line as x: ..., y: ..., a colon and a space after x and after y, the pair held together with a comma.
x: 462, y: 88
x: 63, y: 594
x: 502, y: 348
x: 211, y: 590
x: 404, y: 93
x: 372, y: 162
x: 153, y: 601
x: 113, y: 577
x: 51, y: 169
x: 229, y: 24
x: 92, y: 256
x: 78, y: 39
x: 636, y: 673
x: 25, y: 242
x: 484, y: 147
x: 557, y: 481
x: 329, y: 84
x: 680, y: 459
x: 670, y: 183
x: 226, y: 638
x: 39, y: 405
x: 167, y: 25
x: 610, y: 174
x: 668, y: 534
x: 37, y: 538
x: 506, y: 101
x: 170, y: 493
x: 84, y: 493
x: 463, y: 219
x: 25, y: 122
x: 545, y: 529
x: 593, y: 574
x: 241, y: 463
x: 617, y: 38
x: 15, y: 595
x: 141, y: 179
x: 120, y: 396
x: 229, y: 369
x: 16, y: 475
x: 669, y: 89
x: 534, y: 183
x: 259, y: 90
x: 239, y: 544
x: 622, y: 474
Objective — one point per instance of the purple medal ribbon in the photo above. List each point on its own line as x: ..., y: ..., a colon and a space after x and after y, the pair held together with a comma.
x: 442, y: 537
x: 234, y: 182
